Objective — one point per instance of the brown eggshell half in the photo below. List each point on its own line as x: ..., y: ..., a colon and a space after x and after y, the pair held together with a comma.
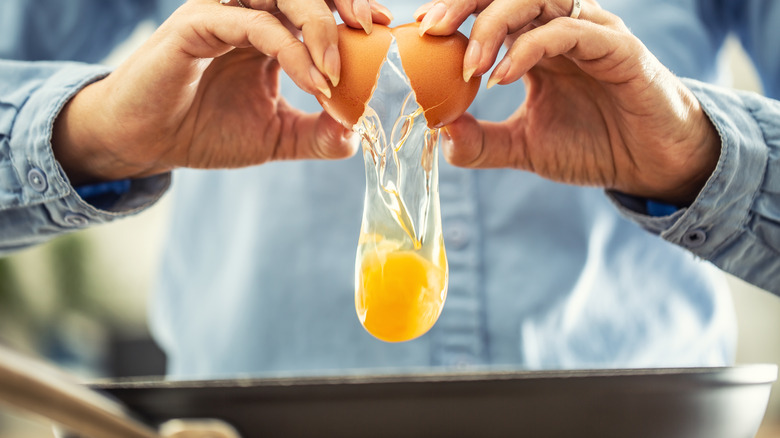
x: 362, y: 56
x: 434, y: 65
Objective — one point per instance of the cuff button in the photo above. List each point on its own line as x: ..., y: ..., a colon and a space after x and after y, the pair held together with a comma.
x: 75, y: 220
x: 694, y: 238
x: 37, y: 180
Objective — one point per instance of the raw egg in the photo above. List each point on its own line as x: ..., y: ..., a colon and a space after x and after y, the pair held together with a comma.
x: 397, y: 89
x: 433, y: 64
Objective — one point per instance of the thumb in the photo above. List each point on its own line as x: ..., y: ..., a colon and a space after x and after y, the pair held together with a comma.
x: 327, y: 140
x: 469, y: 142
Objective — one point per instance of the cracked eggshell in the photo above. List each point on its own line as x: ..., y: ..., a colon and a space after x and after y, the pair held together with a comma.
x: 434, y: 65
x: 362, y: 56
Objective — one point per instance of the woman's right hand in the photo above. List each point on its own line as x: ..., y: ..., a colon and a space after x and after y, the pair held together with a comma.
x: 203, y: 92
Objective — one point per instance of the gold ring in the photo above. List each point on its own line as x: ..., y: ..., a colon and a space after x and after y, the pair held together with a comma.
x: 225, y: 2
x: 576, y: 8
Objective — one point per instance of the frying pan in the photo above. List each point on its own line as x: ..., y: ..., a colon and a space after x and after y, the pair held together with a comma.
x: 726, y: 402
x: 660, y: 403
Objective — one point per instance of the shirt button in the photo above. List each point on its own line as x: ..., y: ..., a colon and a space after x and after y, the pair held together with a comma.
x: 456, y: 236
x: 76, y: 220
x: 694, y: 238
x: 37, y: 180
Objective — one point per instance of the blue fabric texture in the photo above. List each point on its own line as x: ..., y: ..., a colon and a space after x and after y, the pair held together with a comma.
x: 258, y: 271
x: 98, y: 189
x: 658, y: 209
x: 104, y: 195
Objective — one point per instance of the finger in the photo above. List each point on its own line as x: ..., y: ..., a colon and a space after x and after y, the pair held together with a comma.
x: 503, y: 17
x: 209, y: 30
x: 422, y: 10
x: 261, y: 5
x: 331, y: 140
x: 467, y: 139
x: 601, y: 51
x: 356, y: 13
x: 319, y: 136
x: 318, y: 26
x: 380, y: 13
x: 444, y: 17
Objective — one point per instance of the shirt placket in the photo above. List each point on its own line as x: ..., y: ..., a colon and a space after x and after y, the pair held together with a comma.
x: 459, y: 335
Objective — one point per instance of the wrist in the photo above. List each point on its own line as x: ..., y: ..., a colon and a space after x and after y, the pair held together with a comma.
x: 86, y: 143
x: 698, y: 167
x: 693, y: 159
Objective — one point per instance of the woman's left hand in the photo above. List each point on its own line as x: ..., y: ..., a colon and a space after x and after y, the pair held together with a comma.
x: 600, y: 109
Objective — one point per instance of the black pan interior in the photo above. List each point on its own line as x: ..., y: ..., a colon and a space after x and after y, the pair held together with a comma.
x: 686, y: 403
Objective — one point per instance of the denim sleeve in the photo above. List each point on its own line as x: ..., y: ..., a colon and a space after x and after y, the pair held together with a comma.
x: 735, y: 220
x: 37, y: 201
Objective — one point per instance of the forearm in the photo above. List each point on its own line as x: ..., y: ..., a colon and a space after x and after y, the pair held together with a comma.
x: 734, y: 221
x: 89, y: 154
x: 37, y: 200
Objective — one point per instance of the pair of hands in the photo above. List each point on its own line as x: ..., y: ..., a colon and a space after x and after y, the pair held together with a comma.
x: 204, y: 92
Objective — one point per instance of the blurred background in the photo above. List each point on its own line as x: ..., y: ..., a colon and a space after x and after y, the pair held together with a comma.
x: 80, y: 300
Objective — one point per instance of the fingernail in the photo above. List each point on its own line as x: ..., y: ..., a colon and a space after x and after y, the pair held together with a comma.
x: 445, y: 135
x: 380, y: 9
x: 446, y: 144
x: 471, y: 60
x: 362, y: 11
x: 422, y: 10
x: 332, y: 64
x: 499, y: 73
x: 319, y: 81
x: 433, y: 17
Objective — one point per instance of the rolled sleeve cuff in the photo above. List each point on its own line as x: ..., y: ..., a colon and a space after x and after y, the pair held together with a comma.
x: 42, y: 179
x: 42, y: 198
x: 716, y: 226
x: 72, y: 211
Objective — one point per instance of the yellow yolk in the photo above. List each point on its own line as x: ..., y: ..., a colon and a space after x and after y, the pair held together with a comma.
x: 400, y: 294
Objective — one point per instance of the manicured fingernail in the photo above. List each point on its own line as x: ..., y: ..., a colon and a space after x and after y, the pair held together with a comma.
x: 362, y: 11
x: 445, y: 135
x: 433, y: 17
x: 332, y: 64
x: 319, y: 81
x: 471, y: 60
x: 422, y: 10
x: 446, y: 144
x: 381, y: 10
x: 499, y: 73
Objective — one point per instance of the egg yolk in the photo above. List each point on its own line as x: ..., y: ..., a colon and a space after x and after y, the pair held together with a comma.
x: 400, y: 294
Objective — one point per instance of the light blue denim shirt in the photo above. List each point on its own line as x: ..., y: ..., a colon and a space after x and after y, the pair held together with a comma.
x: 258, y: 269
